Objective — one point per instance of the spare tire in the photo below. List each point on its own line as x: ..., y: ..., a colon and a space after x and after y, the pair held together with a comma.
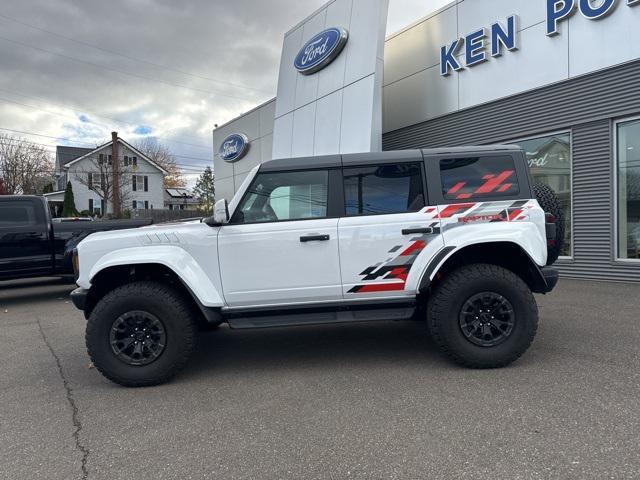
x: 550, y: 203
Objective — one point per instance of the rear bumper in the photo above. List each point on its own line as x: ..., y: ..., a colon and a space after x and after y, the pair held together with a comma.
x: 550, y: 276
x: 79, y: 298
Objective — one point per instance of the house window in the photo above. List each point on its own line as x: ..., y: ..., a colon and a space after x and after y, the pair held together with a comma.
x: 130, y: 161
x: 628, y: 189
x: 550, y: 162
x: 140, y: 183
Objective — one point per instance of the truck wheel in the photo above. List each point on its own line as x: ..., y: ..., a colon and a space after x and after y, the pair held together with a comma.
x: 482, y: 316
x: 141, y: 334
x: 550, y: 203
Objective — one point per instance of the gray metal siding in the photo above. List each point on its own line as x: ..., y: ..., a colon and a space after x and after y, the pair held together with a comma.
x: 587, y: 107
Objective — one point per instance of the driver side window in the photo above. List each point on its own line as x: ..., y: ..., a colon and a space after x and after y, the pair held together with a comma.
x: 283, y: 196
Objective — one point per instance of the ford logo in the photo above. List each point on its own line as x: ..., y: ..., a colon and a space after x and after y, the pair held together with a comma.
x: 321, y: 50
x: 234, y: 147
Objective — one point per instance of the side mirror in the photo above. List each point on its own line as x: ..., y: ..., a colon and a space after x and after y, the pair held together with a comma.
x: 221, y: 212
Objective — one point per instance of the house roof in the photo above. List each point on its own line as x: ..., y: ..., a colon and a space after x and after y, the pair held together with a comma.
x: 55, y: 196
x: 121, y: 141
x: 179, y: 193
x: 65, y: 155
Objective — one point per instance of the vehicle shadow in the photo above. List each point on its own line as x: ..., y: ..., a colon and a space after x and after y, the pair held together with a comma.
x: 28, y: 292
x: 34, y: 283
x: 225, y: 351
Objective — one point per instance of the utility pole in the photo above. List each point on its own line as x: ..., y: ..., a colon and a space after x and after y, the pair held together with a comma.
x: 115, y: 168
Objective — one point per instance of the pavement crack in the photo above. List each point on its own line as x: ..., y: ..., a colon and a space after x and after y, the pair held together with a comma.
x: 72, y: 403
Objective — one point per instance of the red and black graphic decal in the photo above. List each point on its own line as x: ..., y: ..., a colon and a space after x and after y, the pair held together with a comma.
x: 492, y: 183
x: 460, y: 208
x: 392, y: 275
x: 397, y: 269
x: 485, y: 212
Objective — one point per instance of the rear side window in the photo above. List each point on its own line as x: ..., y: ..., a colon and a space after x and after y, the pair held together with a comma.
x: 479, y: 177
x: 384, y: 189
x: 18, y: 213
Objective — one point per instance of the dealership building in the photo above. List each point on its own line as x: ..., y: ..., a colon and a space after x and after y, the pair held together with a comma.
x: 559, y: 78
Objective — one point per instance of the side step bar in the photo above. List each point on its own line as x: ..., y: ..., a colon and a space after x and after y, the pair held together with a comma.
x: 317, y: 316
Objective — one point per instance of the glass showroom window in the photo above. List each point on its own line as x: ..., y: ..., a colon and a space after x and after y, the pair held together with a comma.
x: 628, y: 135
x: 550, y: 162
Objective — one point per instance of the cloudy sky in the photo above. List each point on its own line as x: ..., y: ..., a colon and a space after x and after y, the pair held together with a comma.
x: 72, y: 71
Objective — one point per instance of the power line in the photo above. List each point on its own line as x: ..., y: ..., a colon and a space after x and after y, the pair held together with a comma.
x: 91, y: 145
x: 188, y: 168
x: 84, y: 111
x: 98, y: 124
x: 113, y: 52
x: 47, y: 136
x: 123, y: 72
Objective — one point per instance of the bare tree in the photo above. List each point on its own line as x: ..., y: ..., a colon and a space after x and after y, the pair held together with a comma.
x: 98, y: 175
x: 162, y: 156
x: 25, y: 168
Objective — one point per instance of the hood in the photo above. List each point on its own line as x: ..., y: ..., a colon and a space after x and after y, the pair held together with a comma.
x: 166, y: 233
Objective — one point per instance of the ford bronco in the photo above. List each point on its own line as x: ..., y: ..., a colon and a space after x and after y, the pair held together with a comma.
x: 458, y: 238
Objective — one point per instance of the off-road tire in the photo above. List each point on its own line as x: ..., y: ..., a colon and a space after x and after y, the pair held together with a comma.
x: 550, y: 203
x: 160, y: 300
x: 446, y: 303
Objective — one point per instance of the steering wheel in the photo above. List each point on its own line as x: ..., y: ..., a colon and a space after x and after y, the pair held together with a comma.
x: 269, y: 213
x: 264, y: 214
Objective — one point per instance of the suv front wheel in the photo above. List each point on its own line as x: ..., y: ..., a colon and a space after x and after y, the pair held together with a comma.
x: 141, y: 334
x: 482, y: 316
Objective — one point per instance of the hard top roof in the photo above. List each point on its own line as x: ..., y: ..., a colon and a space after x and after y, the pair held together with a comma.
x: 353, y: 159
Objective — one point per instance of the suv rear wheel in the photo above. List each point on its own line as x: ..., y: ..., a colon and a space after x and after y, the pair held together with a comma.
x: 482, y: 316
x: 141, y: 334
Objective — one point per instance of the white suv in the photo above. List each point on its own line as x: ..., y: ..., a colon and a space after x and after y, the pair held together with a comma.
x: 452, y: 237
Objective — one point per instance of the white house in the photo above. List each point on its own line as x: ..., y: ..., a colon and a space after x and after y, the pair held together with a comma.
x: 88, y: 170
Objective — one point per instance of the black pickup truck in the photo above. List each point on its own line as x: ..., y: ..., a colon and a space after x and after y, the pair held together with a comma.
x: 31, y: 245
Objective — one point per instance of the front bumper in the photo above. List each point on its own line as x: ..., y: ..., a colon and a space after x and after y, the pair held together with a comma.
x: 79, y: 298
x: 550, y: 276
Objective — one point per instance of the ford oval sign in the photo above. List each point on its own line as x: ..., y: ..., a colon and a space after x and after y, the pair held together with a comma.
x: 234, y: 147
x: 321, y: 50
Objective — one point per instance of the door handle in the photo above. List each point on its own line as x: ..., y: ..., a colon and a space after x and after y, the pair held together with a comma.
x: 315, y: 238
x: 414, y: 231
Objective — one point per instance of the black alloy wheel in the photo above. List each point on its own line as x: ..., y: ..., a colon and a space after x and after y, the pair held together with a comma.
x: 487, y: 319
x: 138, y: 338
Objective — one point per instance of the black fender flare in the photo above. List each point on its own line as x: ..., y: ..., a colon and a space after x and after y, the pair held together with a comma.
x: 540, y: 279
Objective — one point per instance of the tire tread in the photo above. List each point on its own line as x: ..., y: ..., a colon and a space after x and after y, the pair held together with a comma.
x: 150, y: 290
x: 550, y: 203
x: 449, y: 288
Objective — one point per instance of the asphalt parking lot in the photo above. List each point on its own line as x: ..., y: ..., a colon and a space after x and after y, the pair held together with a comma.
x: 359, y: 401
